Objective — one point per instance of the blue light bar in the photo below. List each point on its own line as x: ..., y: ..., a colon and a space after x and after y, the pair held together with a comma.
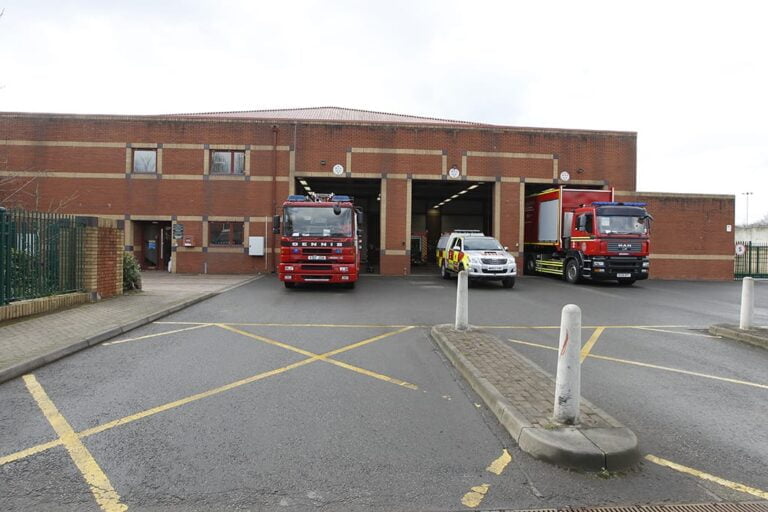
x: 614, y: 203
x: 297, y: 198
x: 340, y: 198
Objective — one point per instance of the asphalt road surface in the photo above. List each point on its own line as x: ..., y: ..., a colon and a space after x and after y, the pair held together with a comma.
x: 330, y: 399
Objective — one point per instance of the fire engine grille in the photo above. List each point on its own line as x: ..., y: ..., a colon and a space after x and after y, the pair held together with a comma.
x: 624, y: 264
x: 703, y: 507
x: 494, y: 261
x: 624, y: 245
x: 307, y: 250
x: 311, y: 266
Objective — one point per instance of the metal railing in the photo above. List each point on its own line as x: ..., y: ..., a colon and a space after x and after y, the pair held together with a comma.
x: 753, y: 262
x: 41, y: 254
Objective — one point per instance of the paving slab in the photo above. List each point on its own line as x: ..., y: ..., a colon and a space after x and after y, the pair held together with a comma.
x: 521, y: 395
x: 28, y: 343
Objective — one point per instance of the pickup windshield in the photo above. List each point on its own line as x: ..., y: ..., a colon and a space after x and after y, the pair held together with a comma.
x: 482, y: 244
x: 317, y: 221
x: 622, y: 225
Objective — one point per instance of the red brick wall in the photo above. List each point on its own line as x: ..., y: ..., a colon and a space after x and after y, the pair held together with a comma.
x: 689, y: 235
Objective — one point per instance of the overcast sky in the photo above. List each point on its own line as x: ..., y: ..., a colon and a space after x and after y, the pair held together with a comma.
x: 690, y: 77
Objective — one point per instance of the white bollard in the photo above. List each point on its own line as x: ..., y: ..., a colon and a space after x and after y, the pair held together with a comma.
x: 462, y: 302
x: 747, y: 303
x: 568, y: 382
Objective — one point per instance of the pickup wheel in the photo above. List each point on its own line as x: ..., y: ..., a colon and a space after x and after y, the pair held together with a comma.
x: 289, y: 284
x: 508, y: 282
x: 572, y: 273
x: 444, y: 271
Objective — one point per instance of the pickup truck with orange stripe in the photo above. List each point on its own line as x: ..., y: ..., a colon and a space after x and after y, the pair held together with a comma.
x: 483, y: 257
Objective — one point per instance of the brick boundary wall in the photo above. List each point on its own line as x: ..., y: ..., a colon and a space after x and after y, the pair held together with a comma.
x: 102, y: 273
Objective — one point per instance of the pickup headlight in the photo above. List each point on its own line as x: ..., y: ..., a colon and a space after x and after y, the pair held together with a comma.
x: 475, y: 260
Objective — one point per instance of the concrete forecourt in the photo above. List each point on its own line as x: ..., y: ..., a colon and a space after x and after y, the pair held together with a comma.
x: 332, y: 399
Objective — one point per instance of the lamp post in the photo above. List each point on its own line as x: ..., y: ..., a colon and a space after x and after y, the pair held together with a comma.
x: 747, y: 194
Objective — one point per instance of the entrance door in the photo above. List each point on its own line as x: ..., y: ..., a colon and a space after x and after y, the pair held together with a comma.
x: 155, y: 244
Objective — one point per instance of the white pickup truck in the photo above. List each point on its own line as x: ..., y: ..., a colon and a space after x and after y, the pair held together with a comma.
x: 483, y: 257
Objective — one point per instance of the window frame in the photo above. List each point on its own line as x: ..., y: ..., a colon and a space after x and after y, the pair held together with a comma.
x: 226, y: 226
x: 145, y: 150
x: 232, y: 159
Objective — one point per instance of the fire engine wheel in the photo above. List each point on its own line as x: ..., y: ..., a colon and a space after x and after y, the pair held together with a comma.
x: 349, y: 286
x: 572, y: 274
x: 626, y: 282
x: 444, y: 271
x: 530, y: 265
x: 289, y: 284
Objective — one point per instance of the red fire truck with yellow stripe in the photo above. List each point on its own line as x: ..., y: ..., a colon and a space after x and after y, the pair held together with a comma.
x: 585, y: 234
x: 320, y: 240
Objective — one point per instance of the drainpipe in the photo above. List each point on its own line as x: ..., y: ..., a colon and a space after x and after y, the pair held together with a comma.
x: 274, y: 192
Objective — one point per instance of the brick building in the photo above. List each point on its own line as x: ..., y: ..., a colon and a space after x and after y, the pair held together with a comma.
x: 221, y: 176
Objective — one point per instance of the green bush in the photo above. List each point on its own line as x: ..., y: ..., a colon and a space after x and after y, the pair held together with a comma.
x: 131, y: 272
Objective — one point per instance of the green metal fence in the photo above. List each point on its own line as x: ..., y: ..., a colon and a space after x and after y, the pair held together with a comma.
x: 41, y: 254
x: 753, y: 262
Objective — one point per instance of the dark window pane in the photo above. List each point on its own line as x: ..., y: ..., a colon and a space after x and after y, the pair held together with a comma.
x: 237, y: 233
x: 225, y: 233
x: 145, y: 160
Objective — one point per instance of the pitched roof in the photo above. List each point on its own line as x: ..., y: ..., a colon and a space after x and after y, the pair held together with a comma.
x: 328, y: 114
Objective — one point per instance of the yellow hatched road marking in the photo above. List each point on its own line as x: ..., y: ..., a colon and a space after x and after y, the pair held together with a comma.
x: 655, y: 367
x: 177, y: 403
x: 326, y: 357
x: 590, y: 343
x: 101, y: 488
x: 498, y: 466
x: 157, y: 334
x: 706, y: 476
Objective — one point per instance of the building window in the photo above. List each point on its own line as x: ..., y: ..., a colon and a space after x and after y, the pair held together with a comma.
x: 227, y: 162
x: 225, y: 233
x: 145, y: 161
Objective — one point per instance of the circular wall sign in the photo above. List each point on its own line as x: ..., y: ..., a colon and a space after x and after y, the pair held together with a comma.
x: 565, y: 176
x: 338, y: 169
x: 740, y: 249
x: 454, y: 172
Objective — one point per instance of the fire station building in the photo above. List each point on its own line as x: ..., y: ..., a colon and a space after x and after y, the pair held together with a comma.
x: 196, y: 193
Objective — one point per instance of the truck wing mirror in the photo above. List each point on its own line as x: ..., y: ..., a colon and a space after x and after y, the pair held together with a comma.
x: 276, y: 224
x: 582, y: 223
x: 359, y: 215
x: 336, y: 209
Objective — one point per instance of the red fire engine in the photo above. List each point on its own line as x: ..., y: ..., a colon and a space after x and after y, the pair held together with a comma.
x: 319, y: 240
x: 585, y: 234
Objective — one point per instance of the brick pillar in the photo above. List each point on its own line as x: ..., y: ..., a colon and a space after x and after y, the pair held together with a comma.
x: 90, y: 260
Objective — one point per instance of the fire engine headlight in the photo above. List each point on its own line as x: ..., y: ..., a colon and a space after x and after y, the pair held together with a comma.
x: 598, y: 263
x: 289, y: 268
x: 646, y: 264
x: 343, y: 269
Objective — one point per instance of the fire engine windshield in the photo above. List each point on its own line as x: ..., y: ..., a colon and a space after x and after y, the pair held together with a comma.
x: 317, y: 221
x: 622, y: 224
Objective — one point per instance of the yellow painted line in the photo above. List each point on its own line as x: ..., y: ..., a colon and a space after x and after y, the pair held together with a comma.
x: 655, y: 367
x: 706, y: 476
x: 326, y: 357
x: 199, y: 396
x: 101, y: 488
x: 474, y: 497
x: 585, y: 350
x: 264, y: 324
x: 498, y: 466
x: 193, y: 398
x: 677, y: 332
x: 156, y: 335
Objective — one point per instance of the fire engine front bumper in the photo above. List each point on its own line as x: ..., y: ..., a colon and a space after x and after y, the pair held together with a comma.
x: 619, y: 269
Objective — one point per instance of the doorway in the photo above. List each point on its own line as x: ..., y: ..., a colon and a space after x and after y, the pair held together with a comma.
x: 154, y: 241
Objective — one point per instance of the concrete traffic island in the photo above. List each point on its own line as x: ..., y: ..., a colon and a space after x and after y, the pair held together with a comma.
x: 521, y: 395
x: 757, y: 336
